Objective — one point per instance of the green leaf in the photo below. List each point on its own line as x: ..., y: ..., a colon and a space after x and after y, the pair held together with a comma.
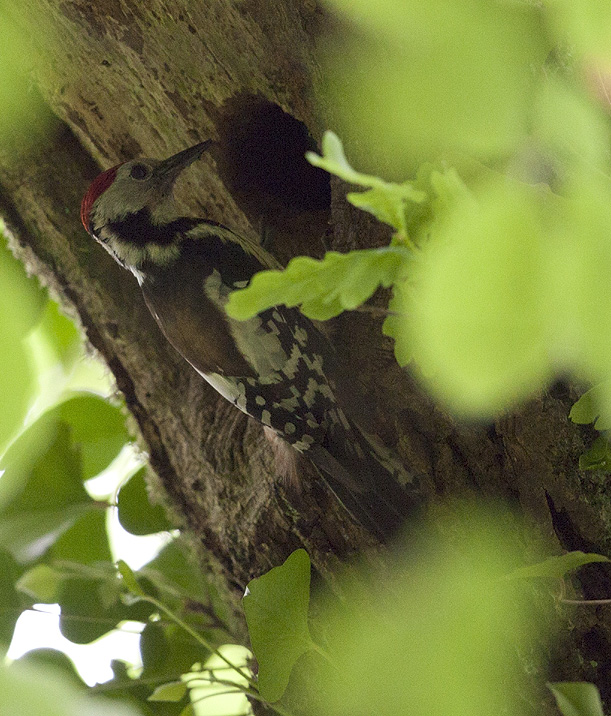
x: 479, y: 318
x: 444, y: 188
x: 557, y: 567
x: 593, y: 407
x: 97, y: 430
x: 42, y: 469
x: 577, y: 698
x: 174, y: 652
x: 88, y: 611
x: 387, y: 201
x: 136, y: 513
x: 276, y: 608
x: 598, y: 457
x: 172, y: 691
x: 42, y: 583
x: 23, y: 300
x: 86, y: 541
x: 323, y: 288
x: 153, y: 647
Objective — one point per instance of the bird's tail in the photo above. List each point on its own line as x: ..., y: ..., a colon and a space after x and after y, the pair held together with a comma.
x: 369, y: 481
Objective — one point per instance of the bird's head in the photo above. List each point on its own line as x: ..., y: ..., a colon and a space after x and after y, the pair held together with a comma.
x: 128, y: 208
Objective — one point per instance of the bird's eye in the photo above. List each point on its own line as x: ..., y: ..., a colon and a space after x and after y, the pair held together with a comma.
x: 139, y: 171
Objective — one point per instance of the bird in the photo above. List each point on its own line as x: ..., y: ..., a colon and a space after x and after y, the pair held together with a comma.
x: 275, y: 367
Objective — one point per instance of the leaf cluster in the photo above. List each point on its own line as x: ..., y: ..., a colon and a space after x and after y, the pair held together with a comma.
x: 500, y: 255
x: 61, y: 430
x: 436, y: 633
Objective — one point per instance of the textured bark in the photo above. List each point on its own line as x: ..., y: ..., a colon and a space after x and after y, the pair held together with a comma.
x: 121, y: 79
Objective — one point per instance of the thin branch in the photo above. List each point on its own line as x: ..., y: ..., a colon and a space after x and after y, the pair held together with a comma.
x: 585, y: 602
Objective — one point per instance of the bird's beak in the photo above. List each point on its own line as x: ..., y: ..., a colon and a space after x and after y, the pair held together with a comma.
x: 171, y: 167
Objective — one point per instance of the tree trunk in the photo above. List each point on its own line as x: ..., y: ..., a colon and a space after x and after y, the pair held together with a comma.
x: 125, y: 79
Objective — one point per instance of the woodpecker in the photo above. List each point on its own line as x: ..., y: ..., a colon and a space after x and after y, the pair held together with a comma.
x: 273, y: 367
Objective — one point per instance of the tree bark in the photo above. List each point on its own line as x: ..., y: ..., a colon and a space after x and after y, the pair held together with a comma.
x: 121, y: 79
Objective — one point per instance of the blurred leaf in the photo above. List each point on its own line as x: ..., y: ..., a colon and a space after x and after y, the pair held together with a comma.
x: 60, y: 334
x: 556, y: 567
x: 577, y: 698
x: 173, y: 691
x: 19, y: 290
x: 434, y: 76
x: 582, y: 255
x: 598, y: 456
x: 11, y: 602
x: 136, y: 513
x: 276, y: 608
x: 323, y: 288
x: 60, y: 663
x: 439, y: 634
x: 27, y: 535
x: 24, y: 118
x: 41, y: 491
x: 42, y: 469
x: 444, y: 189
x: 570, y: 126
x: 97, y: 430
x: 585, y: 25
x: 42, y: 583
x: 387, y: 201
x: 16, y: 383
x: 22, y: 299
x: 42, y: 691
x: 513, y: 286
x: 124, y: 689
x: 477, y: 323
